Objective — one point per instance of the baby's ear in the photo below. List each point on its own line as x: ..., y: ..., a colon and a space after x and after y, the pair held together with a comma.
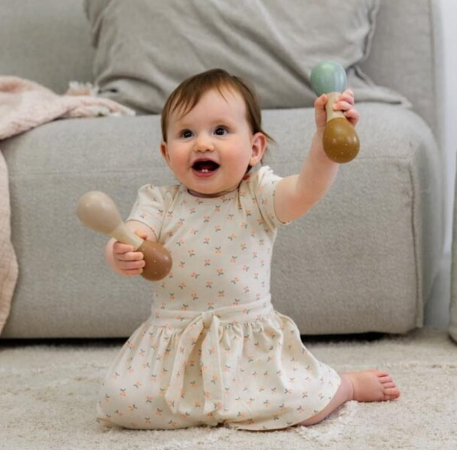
x: 164, y: 151
x: 259, y: 144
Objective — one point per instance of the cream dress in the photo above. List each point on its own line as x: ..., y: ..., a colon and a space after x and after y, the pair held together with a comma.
x: 214, y: 350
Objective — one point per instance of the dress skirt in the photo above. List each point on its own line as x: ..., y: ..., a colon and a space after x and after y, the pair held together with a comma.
x: 242, y: 366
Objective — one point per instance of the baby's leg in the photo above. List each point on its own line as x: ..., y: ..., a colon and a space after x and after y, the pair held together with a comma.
x: 367, y: 386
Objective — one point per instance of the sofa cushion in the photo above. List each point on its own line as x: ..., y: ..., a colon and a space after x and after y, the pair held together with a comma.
x: 145, y: 48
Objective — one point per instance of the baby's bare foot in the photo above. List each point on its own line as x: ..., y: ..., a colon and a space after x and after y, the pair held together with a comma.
x: 373, y: 386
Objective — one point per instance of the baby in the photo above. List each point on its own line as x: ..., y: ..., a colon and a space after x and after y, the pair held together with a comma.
x: 214, y: 350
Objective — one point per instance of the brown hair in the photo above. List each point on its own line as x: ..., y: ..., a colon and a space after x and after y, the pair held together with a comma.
x: 189, y: 92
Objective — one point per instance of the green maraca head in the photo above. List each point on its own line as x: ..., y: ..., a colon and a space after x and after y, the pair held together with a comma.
x: 328, y: 76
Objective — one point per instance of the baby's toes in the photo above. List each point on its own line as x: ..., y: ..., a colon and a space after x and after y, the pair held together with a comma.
x: 391, y: 391
x: 391, y: 394
x: 385, y: 378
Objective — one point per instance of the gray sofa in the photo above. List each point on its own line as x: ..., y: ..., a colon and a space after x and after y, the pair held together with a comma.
x: 363, y: 260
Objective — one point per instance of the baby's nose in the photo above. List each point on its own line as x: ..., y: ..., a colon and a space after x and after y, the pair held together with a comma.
x: 204, y: 144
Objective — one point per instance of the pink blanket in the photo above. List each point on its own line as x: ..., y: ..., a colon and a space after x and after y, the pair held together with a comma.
x: 25, y: 105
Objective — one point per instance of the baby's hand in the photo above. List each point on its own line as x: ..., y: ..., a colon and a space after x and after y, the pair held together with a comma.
x: 127, y: 261
x: 344, y: 103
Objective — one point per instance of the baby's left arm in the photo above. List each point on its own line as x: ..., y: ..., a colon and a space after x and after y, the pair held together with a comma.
x: 298, y: 193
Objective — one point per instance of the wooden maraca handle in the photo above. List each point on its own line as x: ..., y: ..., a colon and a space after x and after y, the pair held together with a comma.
x: 98, y: 212
x: 340, y: 140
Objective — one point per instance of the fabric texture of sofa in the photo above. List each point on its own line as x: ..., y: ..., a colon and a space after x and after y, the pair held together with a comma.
x: 363, y: 260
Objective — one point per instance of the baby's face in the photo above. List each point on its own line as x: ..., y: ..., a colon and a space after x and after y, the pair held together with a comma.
x: 210, y: 148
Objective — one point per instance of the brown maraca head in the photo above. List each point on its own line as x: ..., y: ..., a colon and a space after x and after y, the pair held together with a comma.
x: 158, y: 260
x: 340, y: 141
x: 98, y: 212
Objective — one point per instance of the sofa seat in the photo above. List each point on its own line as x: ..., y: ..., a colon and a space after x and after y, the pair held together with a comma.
x: 362, y: 262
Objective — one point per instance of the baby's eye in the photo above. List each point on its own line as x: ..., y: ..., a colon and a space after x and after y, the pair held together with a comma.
x: 186, y: 134
x: 220, y: 131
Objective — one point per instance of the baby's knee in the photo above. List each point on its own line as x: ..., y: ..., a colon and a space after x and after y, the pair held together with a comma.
x: 138, y: 407
x: 119, y: 404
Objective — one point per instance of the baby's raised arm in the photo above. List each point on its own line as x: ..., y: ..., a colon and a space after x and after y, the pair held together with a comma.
x: 298, y: 193
x: 121, y: 257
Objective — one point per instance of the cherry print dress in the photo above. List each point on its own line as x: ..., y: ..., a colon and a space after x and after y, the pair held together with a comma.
x: 214, y: 350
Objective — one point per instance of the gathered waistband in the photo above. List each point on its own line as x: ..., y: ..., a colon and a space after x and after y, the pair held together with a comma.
x: 246, y: 312
x: 193, y: 325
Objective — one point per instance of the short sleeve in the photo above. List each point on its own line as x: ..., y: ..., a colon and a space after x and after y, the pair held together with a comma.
x: 264, y: 183
x: 149, y: 207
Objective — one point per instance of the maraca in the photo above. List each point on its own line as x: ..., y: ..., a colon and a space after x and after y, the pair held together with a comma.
x: 98, y: 212
x: 340, y: 140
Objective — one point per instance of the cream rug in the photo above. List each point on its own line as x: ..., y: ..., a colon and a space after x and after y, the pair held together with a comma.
x: 48, y: 394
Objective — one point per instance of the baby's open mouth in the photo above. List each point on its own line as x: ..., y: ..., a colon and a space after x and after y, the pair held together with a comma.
x: 205, y: 166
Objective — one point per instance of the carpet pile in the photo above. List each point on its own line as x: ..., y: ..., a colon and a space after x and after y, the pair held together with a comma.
x: 48, y: 392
